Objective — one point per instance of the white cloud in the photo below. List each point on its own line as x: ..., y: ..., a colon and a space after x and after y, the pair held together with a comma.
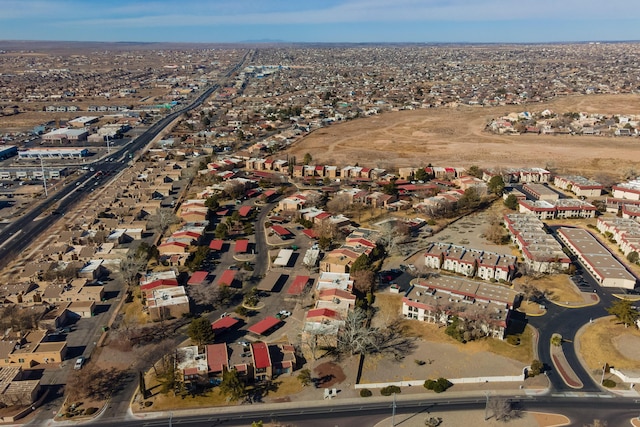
x: 161, y: 13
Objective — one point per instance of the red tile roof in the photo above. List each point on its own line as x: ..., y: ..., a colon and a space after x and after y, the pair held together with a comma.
x: 242, y: 245
x: 216, y: 245
x: 217, y: 357
x: 265, y: 325
x: 157, y: 283
x: 221, y: 325
x: 261, y: 356
x: 244, y: 210
x: 310, y: 233
x: 298, y: 285
x: 322, y: 312
x: 227, y: 278
x: 198, y: 277
x: 280, y: 230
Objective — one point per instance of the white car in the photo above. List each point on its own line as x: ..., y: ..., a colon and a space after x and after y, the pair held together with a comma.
x: 79, y: 363
x: 284, y: 313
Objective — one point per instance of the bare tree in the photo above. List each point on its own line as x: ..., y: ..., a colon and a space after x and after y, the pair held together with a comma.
x: 205, y: 295
x: 131, y: 266
x: 234, y: 188
x: 363, y: 280
x: 92, y: 382
x: 163, y: 218
x: 597, y: 423
x: 531, y: 293
x: 338, y: 204
x: 393, y: 233
x: 357, y: 337
x: 502, y: 408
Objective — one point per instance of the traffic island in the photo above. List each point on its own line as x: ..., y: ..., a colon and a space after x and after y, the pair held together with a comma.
x: 562, y: 366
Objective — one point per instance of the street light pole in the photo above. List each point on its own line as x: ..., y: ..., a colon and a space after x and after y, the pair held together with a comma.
x: 393, y: 413
x: 486, y: 406
x: 44, y: 178
x: 108, y: 148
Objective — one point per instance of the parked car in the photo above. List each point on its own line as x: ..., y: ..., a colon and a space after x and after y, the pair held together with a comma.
x: 283, y: 314
x: 79, y: 363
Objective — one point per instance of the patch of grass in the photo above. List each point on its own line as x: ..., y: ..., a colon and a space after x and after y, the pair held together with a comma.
x: 522, y: 352
x: 598, y: 344
x: 558, y: 286
x: 133, y: 314
x: 286, y: 386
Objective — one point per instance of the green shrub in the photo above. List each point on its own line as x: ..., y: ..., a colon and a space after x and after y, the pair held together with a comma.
x: 513, y: 340
x: 365, y: 392
x: 91, y: 410
x: 389, y: 390
x: 609, y: 383
x: 439, y: 385
x: 419, y: 362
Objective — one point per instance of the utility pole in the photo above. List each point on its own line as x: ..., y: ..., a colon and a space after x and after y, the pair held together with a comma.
x: 604, y: 368
x: 393, y: 413
x: 108, y: 148
x: 486, y: 406
x: 44, y: 178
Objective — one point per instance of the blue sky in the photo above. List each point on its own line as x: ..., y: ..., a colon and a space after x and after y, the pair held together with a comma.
x: 320, y: 20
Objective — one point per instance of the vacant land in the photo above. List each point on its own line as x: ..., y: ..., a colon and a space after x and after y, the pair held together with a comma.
x: 605, y: 340
x: 455, y: 136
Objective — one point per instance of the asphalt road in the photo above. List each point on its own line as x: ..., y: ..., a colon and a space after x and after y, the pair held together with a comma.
x: 23, y: 231
x: 581, y: 411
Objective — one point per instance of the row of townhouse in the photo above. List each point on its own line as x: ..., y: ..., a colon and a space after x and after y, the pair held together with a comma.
x: 625, y: 231
x: 163, y: 296
x: 541, y: 251
x: 332, y: 172
x: 601, y: 263
x: 256, y: 361
x: 359, y: 242
x: 558, y: 209
x: 470, y: 262
x: 540, y: 192
x: 105, y: 108
x: 374, y: 199
x: 436, y: 172
x: 438, y: 299
x: 268, y: 164
x: 629, y: 190
x: 523, y: 175
x: 579, y: 185
x: 333, y: 293
x: 61, y: 108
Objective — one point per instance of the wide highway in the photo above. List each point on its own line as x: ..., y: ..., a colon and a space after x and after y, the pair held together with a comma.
x: 24, y: 230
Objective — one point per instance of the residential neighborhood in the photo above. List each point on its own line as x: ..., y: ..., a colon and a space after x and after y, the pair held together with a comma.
x: 163, y: 241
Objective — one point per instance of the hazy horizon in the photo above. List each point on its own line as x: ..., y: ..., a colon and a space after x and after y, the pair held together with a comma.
x: 332, y: 21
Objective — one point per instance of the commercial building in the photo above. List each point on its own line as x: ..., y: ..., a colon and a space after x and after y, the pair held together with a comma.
x: 596, y: 258
x: 53, y: 153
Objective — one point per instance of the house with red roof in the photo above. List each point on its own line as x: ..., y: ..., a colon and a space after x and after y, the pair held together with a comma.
x: 159, y: 284
x: 217, y: 359
x: 323, y: 315
x: 173, y: 248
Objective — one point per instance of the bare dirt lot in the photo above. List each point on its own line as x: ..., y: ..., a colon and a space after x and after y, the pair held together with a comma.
x: 456, y: 137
